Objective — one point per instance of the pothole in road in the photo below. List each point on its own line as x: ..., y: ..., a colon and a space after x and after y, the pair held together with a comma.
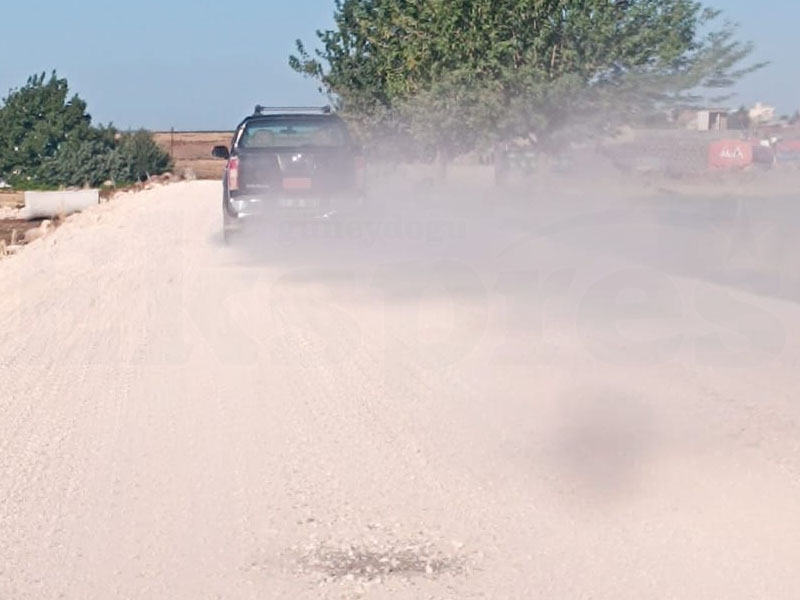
x: 378, y: 561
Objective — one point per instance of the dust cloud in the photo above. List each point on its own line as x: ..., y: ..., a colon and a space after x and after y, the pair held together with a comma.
x: 580, y: 382
x: 562, y: 316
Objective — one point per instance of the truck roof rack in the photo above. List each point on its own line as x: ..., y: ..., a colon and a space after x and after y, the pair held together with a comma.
x: 323, y: 110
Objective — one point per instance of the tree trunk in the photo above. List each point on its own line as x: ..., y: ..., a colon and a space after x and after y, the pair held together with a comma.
x: 442, y: 163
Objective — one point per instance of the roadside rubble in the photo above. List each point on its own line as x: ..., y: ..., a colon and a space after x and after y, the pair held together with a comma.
x: 8, y: 213
x: 20, y: 237
x: 18, y: 229
x: 37, y: 233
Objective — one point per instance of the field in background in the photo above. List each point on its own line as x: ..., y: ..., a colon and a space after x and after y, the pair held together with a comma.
x: 654, y: 154
x: 9, y: 199
x: 192, y: 150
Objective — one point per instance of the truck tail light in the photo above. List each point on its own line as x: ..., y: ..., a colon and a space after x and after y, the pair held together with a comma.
x: 360, y: 163
x: 233, y: 173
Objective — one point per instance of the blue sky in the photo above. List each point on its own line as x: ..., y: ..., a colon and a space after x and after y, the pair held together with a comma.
x: 198, y: 64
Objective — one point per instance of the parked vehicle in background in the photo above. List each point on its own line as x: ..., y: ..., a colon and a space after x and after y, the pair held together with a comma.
x: 290, y: 162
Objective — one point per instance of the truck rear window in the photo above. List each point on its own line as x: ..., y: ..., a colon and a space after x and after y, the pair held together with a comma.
x: 294, y: 132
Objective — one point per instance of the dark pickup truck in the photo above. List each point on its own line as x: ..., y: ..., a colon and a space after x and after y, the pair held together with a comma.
x: 289, y: 162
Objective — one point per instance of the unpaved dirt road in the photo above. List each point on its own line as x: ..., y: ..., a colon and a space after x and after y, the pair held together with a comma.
x: 425, y: 403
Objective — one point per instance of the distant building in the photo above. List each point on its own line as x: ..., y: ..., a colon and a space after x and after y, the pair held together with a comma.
x: 762, y: 113
x: 712, y: 119
x: 685, y: 119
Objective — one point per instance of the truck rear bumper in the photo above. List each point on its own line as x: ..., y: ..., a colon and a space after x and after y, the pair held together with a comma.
x: 242, y: 207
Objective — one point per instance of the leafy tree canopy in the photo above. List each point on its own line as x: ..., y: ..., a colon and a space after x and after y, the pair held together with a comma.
x: 47, y: 140
x: 459, y: 73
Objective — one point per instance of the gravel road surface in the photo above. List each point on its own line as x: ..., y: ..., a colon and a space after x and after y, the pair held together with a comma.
x: 582, y: 399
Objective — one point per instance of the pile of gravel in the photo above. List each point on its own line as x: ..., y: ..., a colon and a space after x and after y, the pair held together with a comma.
x: 377, y: 560
x: 8, y: 212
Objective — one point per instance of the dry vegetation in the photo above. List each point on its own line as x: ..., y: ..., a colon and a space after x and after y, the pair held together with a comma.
x: 12, y: 231
x: 192, y: 150
x: 9, y: 199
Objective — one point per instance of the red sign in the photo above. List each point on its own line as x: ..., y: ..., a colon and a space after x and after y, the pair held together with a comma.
x: 730, y: 154
x: 789, y: 146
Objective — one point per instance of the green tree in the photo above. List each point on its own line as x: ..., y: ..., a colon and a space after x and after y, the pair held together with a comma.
x: 47, y: 140
x: 739, y: 119
x: 79, y: 161
x: 466, y: 72
x: 138, y: 157
x: 35, y: 121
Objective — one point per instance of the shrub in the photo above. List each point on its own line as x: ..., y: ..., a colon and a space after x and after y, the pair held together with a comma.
x: 138, y: 157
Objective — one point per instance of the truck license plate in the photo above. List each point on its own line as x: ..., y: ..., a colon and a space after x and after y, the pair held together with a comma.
x: 297, y: 183
x: 298, y: 203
